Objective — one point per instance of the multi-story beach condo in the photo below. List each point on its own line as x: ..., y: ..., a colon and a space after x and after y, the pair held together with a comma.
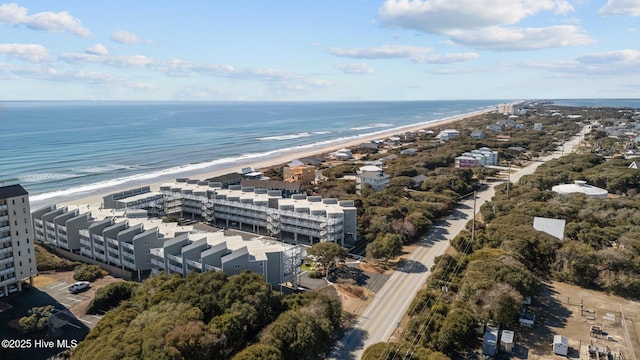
x: 300, y: 219
x: 277, y: 262
x: 17, y: 255
x: 128, y: 243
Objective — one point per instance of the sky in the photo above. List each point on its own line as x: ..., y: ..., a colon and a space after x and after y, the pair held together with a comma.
x: 320, y: 50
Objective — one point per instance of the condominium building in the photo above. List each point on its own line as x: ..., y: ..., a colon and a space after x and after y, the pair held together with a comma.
x: 129, y: 244
x: 276, y: 261
x: 17, y: 255
x: 301, y: 218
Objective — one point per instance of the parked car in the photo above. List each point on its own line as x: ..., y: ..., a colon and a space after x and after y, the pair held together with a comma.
x: 79, y: 286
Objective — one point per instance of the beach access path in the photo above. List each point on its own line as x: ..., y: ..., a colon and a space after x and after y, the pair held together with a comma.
x: 383, y: 315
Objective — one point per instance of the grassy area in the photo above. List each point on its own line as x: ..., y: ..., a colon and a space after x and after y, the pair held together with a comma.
x: 308, y: 267
x: 47, y: 261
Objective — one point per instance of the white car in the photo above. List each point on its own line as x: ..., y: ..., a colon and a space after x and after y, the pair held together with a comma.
x: 79, y: 286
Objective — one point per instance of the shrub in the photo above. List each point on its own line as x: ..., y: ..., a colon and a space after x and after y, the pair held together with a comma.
x: 37, y: 320
x: 47, y: 260
x: 111, y: 296
x: 88, y: 273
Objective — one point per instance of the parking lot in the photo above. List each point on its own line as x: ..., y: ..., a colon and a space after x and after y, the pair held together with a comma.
x: 58, y: 290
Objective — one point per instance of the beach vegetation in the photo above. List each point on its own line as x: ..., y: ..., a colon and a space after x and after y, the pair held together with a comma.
x: 47, y: 260
x: 212, y: 315
x: 37, y: 320
x: 87, y: 272
x: 111, y: 296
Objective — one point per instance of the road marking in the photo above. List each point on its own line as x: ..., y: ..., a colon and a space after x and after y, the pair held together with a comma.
x: 85, y: 321
x: 66, y: 305
x: 74, y: 325
x: 96, y: 316
x: 76, y: 300
x: 60, y: 285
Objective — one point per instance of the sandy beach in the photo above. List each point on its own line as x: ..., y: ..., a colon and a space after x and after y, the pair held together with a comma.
x: 95, y: 198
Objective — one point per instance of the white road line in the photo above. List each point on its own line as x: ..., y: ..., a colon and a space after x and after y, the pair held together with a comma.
x: 96, y: 316
x: 59, y: 285
x: 85, y: 321
x: 76, y: 300
x: 74, y: 325
x: 66, y: 305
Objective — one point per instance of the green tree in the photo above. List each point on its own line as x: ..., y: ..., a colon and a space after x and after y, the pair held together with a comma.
x: 327, y: 253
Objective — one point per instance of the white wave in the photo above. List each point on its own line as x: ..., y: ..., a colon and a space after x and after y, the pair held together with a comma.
x: 104, y: 168
x: 372, y: 126
x: 322, y: 132
x: 285, y: 137
x: 43, y: 177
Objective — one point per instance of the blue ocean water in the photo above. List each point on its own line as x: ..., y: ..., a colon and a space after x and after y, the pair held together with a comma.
x: 76, y: 148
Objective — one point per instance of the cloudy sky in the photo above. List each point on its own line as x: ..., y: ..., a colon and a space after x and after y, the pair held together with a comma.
x: 319, y: 50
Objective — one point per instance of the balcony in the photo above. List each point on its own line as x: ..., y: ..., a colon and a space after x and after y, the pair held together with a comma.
x: 126, y: 245
x: 86, y: 243
x: 7, y: 270
x: 4, y: 217
x: 193, y: 264
x: 128, y: 264
x: 159, y: 252
x: 6, y: 238
x: 6, y: 260
x: 5, y: 228
x: 175, y: 258
x: 3, y: 207
x: 159, y: 263
x: 51, y: 233
x: 113, y: 242
x: 37, y: 221
x: 99, y: 256
x: 211, y: 268
x: 86, y: 252
x: 128, y: 254
x: 114, y: 252
x: 176, y: 269
x: 7, y: 250
x: 8, y: 281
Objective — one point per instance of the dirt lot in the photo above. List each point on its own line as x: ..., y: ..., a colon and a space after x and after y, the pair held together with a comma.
x: 558, y: 312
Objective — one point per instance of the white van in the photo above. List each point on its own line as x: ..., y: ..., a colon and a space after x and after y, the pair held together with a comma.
x: 79, y: 286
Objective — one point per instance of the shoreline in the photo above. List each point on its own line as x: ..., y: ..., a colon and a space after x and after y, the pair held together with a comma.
x: 94, y: 196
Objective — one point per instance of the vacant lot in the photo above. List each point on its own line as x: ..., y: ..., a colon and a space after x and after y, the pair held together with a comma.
x: 558, y: 312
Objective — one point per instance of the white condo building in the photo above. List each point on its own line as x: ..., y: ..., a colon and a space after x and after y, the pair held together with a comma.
x: 17, y: 255
x: 300, y: 219
x: 129, y: 244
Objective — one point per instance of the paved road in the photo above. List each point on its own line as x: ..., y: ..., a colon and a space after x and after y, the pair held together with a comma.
x: 384, y: 313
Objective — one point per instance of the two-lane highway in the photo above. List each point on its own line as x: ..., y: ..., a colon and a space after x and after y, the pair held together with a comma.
x: 383, y: 314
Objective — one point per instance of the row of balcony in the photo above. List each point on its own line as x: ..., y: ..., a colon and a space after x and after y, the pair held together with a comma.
x: 6, y: 260
x: 8, y: 281
x: 6, y: 250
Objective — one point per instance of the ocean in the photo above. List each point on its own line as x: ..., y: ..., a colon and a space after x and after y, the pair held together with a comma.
x: 73, y: 149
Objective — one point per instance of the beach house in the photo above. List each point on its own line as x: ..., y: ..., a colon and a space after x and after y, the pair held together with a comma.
x: 17, y: 255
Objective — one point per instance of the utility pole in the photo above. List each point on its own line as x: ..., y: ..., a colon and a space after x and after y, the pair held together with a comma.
x: 473, y: 219
x: 508, y: 179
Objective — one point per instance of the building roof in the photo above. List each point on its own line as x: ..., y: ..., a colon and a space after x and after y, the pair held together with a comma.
x: 271, y: 184
x: 12, y: 191
x: 370, y: 168
x: 580, y: 186
x: 226, y: 178
x: 553, y: 227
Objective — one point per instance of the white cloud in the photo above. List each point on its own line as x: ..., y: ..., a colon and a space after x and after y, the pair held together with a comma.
x: 117, y: 61
x: 125, y: 37
x: 501, y: 38
x: 484, y: 24
x: 440, y: 16
x: 30, y: 52
x: 421, y: 55
x: 97, y: 49
x: 381, y: 52
x: 48, y: 21
x: 356, y: 68
x: 620, y: 62
x: 621, y: 7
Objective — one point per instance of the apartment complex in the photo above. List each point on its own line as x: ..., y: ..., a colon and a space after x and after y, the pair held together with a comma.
x: 17, y: 255
x: 301, y: 219
x: 128, y: 243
